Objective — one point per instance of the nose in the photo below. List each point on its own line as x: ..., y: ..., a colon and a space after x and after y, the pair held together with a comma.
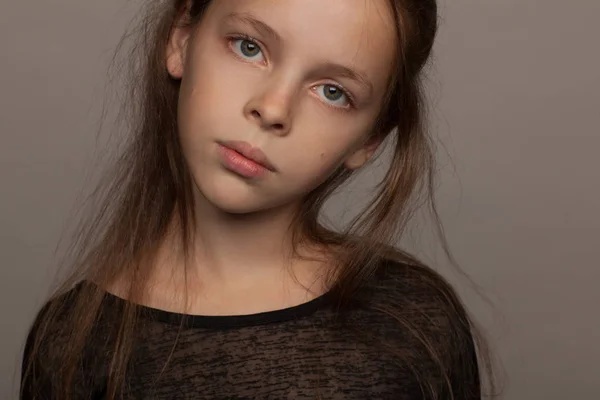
x: 271, y: 111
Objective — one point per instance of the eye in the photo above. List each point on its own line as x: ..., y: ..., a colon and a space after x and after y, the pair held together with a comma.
x: 334, y: 95
x: 247, y: 48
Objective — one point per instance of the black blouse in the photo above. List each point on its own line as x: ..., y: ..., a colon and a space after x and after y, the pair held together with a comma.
x: 304, y: 352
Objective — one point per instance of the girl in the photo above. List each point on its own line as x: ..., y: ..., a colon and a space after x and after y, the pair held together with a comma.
x: 206, y: 273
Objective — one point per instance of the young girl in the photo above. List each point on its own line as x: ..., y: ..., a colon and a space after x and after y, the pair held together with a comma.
x: 206, y: 273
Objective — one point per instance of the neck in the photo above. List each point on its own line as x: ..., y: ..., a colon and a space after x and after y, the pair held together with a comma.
x: 231, y: 248
x: 242, y: 245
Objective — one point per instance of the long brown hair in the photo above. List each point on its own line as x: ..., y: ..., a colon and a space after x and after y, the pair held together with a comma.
x: 150, y: 178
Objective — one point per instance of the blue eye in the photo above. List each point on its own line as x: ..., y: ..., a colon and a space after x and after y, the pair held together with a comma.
x: 248, y: 49
x: 333, y: 94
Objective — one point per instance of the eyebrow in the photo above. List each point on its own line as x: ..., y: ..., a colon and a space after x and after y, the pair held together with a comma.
x: 332, y: 68
x: 249, y: 19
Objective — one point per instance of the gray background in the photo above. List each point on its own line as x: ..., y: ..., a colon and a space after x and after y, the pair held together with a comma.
x: 515, y: 94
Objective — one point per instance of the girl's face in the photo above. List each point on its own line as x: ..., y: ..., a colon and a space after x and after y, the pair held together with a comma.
x: 295, y: 85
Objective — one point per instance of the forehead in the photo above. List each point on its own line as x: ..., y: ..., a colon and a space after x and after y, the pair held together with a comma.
x: 357, y: 33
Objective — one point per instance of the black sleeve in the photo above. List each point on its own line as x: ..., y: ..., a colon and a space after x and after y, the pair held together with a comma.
x: 439, y: 344
x: 465, y: 377
x: 35, y: 382
x: 40, y: 378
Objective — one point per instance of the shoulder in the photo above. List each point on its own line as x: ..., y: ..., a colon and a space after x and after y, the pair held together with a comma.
x: 51, y: 319
x: 417, y: 319
x: 54, y: 330
x: 53, y: 314
x: 42, y: 340
x: 418, y: 289
x: 60, y: 317
x: 418, y: 293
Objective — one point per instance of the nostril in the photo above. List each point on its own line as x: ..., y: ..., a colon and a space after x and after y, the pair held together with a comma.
x: 255, y: 114
x: 278, y: 127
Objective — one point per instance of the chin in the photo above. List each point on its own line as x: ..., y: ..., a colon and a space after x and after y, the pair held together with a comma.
x: 233, y: 195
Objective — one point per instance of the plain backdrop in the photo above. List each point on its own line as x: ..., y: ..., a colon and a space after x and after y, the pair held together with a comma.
x: 515, y: 100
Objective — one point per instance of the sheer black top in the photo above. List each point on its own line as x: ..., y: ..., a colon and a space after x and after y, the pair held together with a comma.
x: 304, y: 352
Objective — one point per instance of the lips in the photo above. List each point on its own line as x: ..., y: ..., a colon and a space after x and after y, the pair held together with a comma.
x: 250, y: 152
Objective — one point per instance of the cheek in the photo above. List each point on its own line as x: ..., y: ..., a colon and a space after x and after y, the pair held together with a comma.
x: 212, y: 90
x: 317, y: 161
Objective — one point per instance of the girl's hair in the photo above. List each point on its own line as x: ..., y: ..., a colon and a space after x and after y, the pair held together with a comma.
x: 150, y: 185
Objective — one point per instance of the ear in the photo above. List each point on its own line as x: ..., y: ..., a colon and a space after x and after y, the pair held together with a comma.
x: 177, y: 45
x: 361, y: 156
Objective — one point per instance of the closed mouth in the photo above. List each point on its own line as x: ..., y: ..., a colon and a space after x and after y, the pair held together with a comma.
x: 250, y: 152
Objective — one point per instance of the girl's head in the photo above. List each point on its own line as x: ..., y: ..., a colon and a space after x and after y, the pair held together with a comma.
x: 314, y: 87
x: 303, y: 81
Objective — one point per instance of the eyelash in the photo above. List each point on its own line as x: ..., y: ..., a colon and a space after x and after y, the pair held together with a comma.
x: 351, y: 101
x: 241, y: 36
